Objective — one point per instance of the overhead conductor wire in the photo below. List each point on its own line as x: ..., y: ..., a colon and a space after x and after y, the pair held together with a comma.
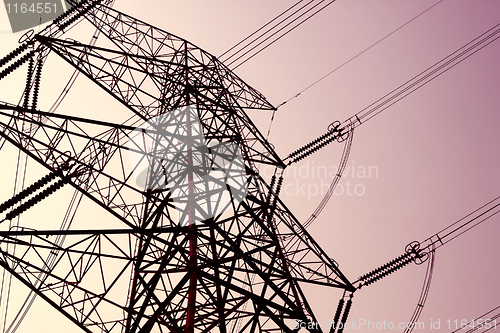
x: 429, y: 74
x: 357, y: 55
x: 402, y: 91
x: 481, y: 323
x: 230, y: 63
x: 348, y: 61
x: 261, y: 28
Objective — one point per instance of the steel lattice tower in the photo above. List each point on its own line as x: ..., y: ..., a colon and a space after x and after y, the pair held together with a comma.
x: 180, y: 262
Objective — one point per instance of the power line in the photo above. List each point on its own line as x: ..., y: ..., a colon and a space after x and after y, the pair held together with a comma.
x: 345, y: 63
x: 430, y: 74
x: 463, y: 225
x: 426, y: 249
x: 357, y: 55
x: 273, y: 34
x: 261, y: 28
x: 475, y: 325
x: 419, y: 252
x: 398, y: 94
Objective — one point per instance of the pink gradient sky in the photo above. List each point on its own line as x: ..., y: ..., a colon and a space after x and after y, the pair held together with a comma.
x: 436, y: 151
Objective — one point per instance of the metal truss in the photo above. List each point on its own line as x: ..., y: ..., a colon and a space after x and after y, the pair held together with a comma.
x: 236, y: 270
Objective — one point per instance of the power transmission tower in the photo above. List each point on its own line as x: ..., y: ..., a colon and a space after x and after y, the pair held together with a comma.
x: 206, y: 245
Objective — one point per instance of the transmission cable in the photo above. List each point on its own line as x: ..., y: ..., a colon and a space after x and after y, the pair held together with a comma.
x: 357, y: 55
x: 419, y: 252
x: 9, y: 279
x: 277, y: 38
x: 268, y: 31
x: 399, y: 93
x: 255, y: 32
x: 345, y: 63
x: 476, y: 326
x: 430, y: 74
x: 454, y: 230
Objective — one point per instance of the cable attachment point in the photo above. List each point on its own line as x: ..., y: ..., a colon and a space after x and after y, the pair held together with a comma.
x: 419, y: 255
x: 338, y: 326
x: 27, y: 37
x: 333, y: 134
x: 343, y: 135
x: 345, y: 132
x: 334, y: 126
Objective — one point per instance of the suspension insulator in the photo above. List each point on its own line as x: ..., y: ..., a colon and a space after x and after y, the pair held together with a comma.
x: 345, y: 316
x: 385, y: 267
x: 13, y: 54
x: 271, y: 187
x: 28, y: 83
x: 16, y: 64
x: 36, y: 88
x: 405, y: 261
x: 275, y: 199
x: 36, y: 199
x: 278, y: 188
x: 337, y: 315
x: 310, y: 144
x: 27, y: 191
x: 315, y: 146
x: 64, y: 15
x: 33, y: 188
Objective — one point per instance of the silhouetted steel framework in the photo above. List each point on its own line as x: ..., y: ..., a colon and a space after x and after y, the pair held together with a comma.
x: 204, y: 271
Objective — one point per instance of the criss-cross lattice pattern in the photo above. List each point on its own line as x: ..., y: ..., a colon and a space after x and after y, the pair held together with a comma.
x: 204, y: 244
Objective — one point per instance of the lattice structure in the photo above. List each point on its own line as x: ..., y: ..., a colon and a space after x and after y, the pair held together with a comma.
x: 205, y: 244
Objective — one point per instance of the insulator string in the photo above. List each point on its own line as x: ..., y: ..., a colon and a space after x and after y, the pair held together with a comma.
x: 35, y: 200
x: 13, y: 54
x: 28, y: 191
x: 28, y: 83
x: 386, y: 269
x: 81, y: 12
x: 74, y: 203
x: 16, y: 64
x: 345, y: 316
x: 338, y: 313
x: 274, y: 198
x: 36, y: 85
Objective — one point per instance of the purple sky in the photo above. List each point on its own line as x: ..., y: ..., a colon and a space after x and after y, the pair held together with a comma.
x: 434, y: 155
